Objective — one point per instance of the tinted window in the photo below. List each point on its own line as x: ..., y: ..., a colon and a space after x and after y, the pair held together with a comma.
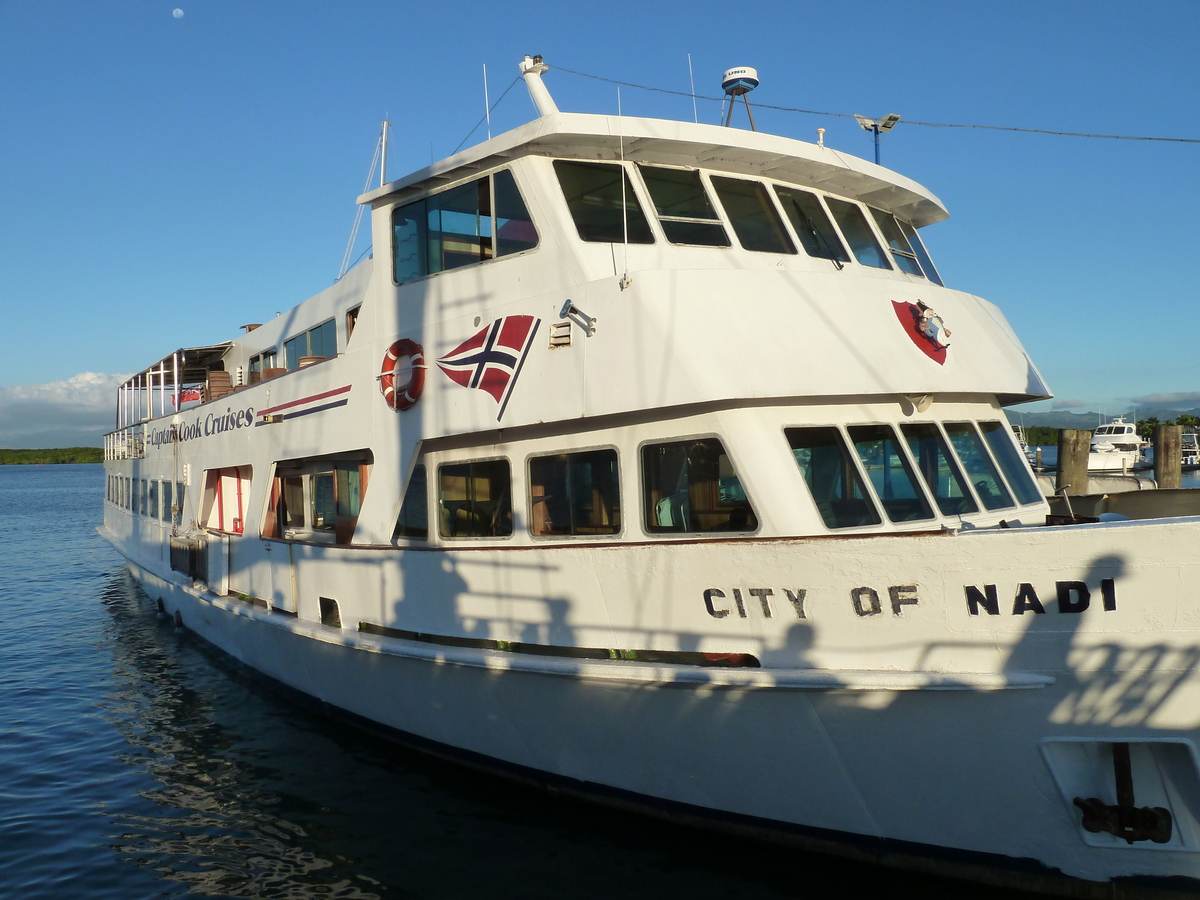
x: 575, y: 493
x: 832, y: 478
x: 938, y: 469
x: 852, y: 222
x: 349, y: 490
x: 1014, y: 466
x: 596, y: 194
x: 152, y: 509
x: 475, y: 499
x: 812, y: 225
x: 898, y: 245
x: 752, y: 215
x: 890, y: 473
x: 683, y: 207
x: 978, y: 464
x: 324, y: 514
x: 414, y: 511
x: 692, y: 486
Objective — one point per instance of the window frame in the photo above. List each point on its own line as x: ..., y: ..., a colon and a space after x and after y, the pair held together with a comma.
x: 307, y: 335
x: 719, y: 218
x: 913, y: 472
x: 542, y: 538
x: 522, y: 189
x: 984, y: 508
x: 768, y: 187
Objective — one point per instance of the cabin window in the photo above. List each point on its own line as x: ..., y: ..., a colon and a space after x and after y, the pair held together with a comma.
x: 145, y: 497
x: 596, y: 195
x: 914, y: 241
x: 684, y: 210
x: 897, y: 243
x: 311, y: 346
x: 979, y: 466
x: 475, y: 499
x: 456, y: 227
x: 752, y: 214
x: 812, y: 225
x: 890, y: 473
x: 1014, y: 467
x: 692, y: 486
x: 413, y: 521
x: 314, y: 498
x: 351, y: 321
x: 179, y: 493
x: 939, y: 470
x: 575, y: 493
x: 832, y: 478
x: 858, y: 234
x: 167, y: 515
x: 152, y: 503
x: 260, y: 363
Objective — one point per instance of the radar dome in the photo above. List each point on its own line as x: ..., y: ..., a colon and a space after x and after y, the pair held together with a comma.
x: 739, y: 80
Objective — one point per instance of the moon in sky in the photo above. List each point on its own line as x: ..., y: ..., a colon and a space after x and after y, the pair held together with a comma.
x: 177, y: 13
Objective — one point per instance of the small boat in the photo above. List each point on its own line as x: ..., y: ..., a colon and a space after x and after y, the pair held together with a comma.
x: 1117, y: 447
x: 638, y: 461
x: 1190, y: 450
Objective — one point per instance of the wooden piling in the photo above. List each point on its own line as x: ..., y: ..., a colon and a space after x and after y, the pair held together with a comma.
x: 1168, y: 455
x: 1073, y: 448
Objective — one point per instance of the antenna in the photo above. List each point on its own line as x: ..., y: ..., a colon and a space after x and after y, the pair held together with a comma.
x: 738, y: 82
x: 380, y: 151
x: 887, y: 123
x: 487, y: 105
x: 692, y: 79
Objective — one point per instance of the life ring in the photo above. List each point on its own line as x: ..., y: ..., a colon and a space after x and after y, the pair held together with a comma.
x: 403, y: 396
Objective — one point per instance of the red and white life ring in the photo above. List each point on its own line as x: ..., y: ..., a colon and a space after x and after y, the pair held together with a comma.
x: 402, y: 396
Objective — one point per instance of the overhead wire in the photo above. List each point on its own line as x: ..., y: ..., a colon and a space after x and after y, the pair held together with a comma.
x: 814, y: 112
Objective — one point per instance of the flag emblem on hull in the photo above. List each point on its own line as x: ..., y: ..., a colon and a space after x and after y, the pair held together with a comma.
x: 925, y: 328
x: 491, y: 359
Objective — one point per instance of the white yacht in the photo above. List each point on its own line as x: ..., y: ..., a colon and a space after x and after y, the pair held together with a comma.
x: 639, y: 462
x: 1117, y: 447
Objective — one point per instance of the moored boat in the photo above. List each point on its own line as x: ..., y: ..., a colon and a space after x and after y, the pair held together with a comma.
x: 639, y: 461
x: 1117, y: 447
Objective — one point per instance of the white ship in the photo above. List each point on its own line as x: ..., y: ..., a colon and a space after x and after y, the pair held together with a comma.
x: 1117, y: 447
x: 639, y: 461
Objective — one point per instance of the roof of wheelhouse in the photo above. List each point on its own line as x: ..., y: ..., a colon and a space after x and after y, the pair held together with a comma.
x: 667, y: 142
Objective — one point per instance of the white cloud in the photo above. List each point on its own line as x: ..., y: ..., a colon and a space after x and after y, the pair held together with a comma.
x: 77, y: 412
x: 1181, y: 400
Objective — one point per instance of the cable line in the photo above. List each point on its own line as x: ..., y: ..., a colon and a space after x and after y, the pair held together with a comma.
x: 814, y: 112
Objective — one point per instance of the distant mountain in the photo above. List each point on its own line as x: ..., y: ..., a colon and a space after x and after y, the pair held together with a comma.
x: 1061, y: 418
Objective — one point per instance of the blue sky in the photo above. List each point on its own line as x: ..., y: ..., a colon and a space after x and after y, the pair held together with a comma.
x: 166, y: 179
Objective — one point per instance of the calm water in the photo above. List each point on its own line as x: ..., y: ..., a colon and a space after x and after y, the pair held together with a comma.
x: 136, y: 762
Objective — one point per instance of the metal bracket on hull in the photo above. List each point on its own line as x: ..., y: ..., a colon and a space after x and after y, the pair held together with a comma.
x: 1126, y: 821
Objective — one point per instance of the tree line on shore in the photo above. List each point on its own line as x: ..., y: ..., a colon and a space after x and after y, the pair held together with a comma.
x: 51, y: 457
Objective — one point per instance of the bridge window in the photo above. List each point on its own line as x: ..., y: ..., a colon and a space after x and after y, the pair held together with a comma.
x: 465, y: 225
x: 753, y: 215
x: 596, y: 194
x: 832, y: 478
x: 897, y: 243
x: 858, y: 234
x: 684, y: 210
x: 575, y: 493
x: 692, y: 486
x: 811, y: 224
